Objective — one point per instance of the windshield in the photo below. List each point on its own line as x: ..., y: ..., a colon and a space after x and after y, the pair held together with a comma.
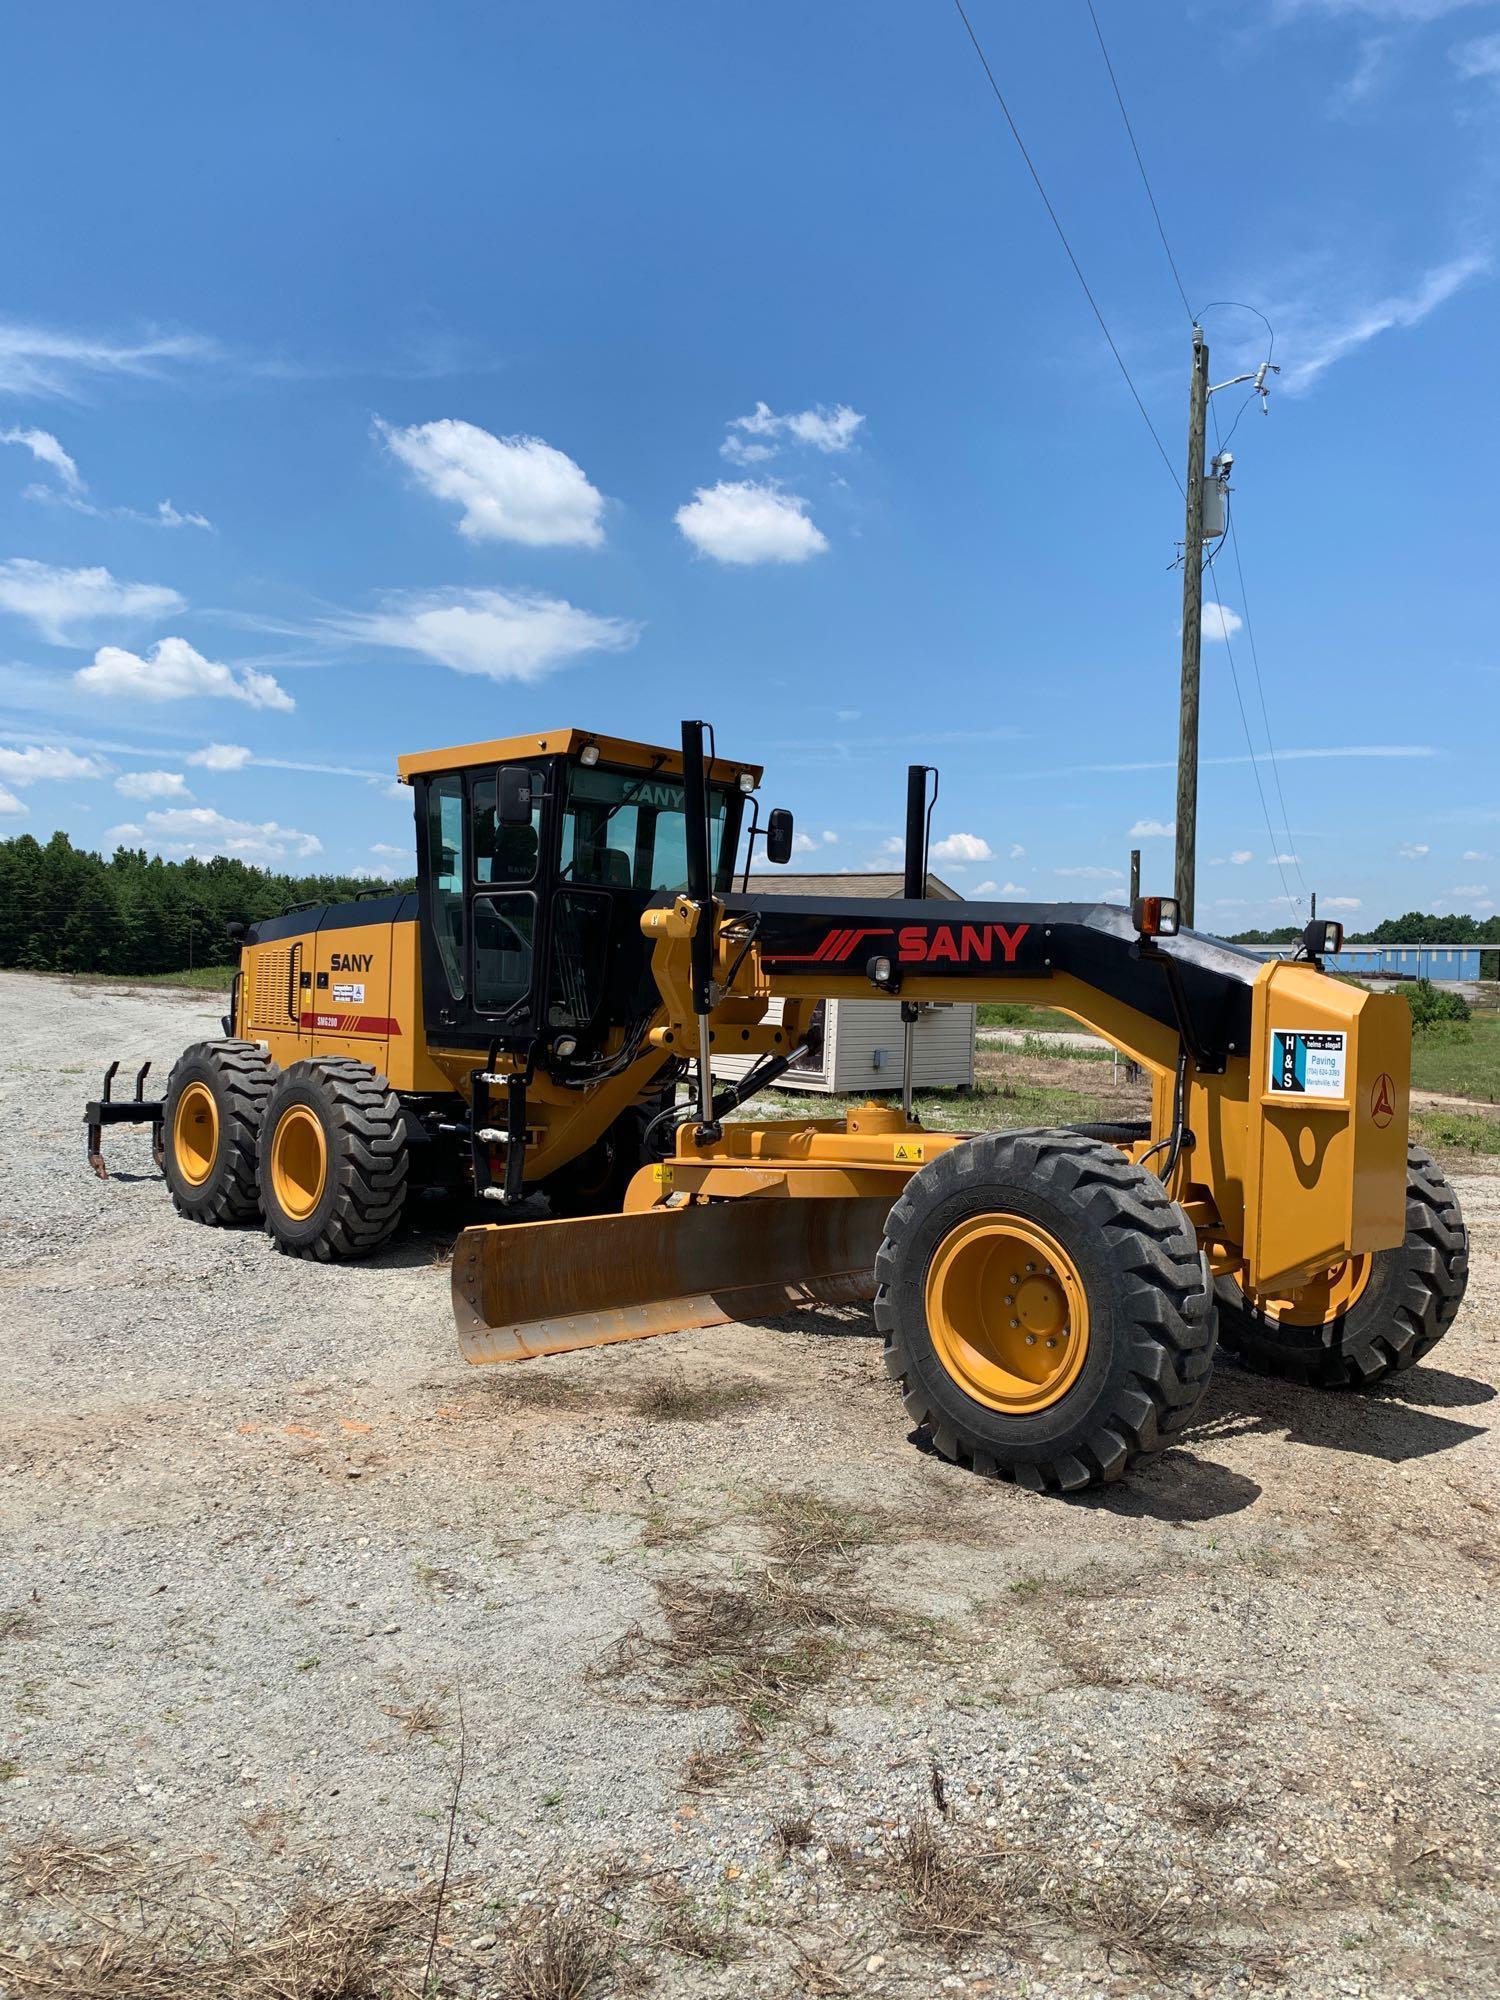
x: 627, y: 830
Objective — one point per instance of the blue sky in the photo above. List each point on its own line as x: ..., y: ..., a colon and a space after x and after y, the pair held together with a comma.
x: 373, y: 381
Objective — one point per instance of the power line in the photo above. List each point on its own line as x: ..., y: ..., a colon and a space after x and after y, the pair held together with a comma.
x: 1222, y: 442
x: 1067, y: 246
x: 1249, y: 744
x: 1234, y: 543
x: 1145, y: 177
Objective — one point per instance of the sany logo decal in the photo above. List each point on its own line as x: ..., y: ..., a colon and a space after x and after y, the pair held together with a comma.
x: 1382, y: 1099
x: 918, y: 944
x: 960, y: 944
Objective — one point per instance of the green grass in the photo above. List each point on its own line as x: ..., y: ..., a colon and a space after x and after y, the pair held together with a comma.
x: 202, y: 979
x: 989, y: 1107
x: 1001, y: 1014
x: 1459, y: 1058
x: 1457, y: 1135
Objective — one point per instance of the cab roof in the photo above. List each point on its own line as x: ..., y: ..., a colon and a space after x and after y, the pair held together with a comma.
x: 617, y: 750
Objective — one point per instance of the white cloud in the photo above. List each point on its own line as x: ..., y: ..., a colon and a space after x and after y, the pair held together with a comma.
x: 220, y: 757
x: 1341, y: 902
x: 755, y: 438
x: 848, y: 714
x: 25, y: 767
x: 199, y: 830
x: 175, y: 671
x: 1475, y: 854
x: 1370, y: 68
x: 1478, y: 61
x: 1016, y: 850
x: 749, y: 521
x: 1091, y: 874
x: 828, y: 839
x: 152, y: 785
x: 963, y: 847
x: 1315, y: 346
x: 804, y: 844
x: 1153, y: 829
x: 513, y: 489
x: 37, y: 361
x: 1379, y: 10
x: 1240, y: 856
x: 1219, y: 622
x: 506, y: 634
x: 1413, y: 850
x: 167, y: 516
x: 389, y: 852
x: 1282, y: 860
x: 9, y: 803
x: 46, y: 450
x: 1469, y: 889
x: 57, y: 601
x: 999, y: 889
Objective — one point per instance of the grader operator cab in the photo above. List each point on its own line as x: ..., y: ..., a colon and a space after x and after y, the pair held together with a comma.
x: 576, y: 947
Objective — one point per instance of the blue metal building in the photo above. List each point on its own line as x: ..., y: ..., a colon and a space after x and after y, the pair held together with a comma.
x: 1395, y: 961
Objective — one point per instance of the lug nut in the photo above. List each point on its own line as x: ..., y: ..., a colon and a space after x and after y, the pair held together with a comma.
x: 1009, y: 1300
x: 1051, y: 1342
x: 1016, y: 1322
x: 1030, y: 1338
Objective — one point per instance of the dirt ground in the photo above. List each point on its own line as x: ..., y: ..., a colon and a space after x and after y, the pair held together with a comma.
x: 695, y: 1671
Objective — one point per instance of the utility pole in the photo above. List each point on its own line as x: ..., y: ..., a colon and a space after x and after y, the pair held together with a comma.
x: 1192, y: 639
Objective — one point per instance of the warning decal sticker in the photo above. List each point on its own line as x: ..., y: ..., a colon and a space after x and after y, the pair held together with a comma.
x: 352, y: 995
x: 1309, y: 1063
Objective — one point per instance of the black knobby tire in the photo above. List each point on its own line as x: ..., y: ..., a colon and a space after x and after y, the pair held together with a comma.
x: 1409, y: 1302
x: 364, y: 1186
x: 1151, y: 1314
x: 238, y: 1076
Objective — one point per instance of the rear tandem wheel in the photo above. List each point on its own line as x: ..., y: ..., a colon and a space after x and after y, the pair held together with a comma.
x: 333, y: 1160
x: 211, y: 1117
x: 1045, y: 1307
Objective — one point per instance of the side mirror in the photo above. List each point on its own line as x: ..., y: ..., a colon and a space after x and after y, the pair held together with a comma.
x: 779, y: 837
x: 513, y: 796
x: 235, y: 930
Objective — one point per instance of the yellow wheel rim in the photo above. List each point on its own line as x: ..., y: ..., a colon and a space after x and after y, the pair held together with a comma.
x: 1322, y: 1299
x: 299, y: 1162
x: 195, y: 1134
x: 1007, y: 1313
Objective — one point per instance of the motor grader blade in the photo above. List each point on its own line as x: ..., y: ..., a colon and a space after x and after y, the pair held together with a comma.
x: 531, y: 1288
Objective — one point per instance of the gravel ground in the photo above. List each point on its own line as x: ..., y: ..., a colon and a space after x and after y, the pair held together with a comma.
x: 753, y: 1696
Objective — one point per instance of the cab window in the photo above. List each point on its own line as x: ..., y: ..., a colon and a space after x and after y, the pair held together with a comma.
x: 445, y: 851
x: 504, y: 940
x: 627, y: 830
x: 504, y: 853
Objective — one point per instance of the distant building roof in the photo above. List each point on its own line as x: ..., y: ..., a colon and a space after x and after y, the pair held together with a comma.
x: 878, y: 887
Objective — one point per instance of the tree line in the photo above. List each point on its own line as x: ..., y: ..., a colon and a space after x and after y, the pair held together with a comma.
x: 1416, y: 927
x: 66, y: 909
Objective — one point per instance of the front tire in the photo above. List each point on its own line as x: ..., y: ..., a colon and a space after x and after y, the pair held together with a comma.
x: 333, y: 1160
x: 211, y: 1119
x: 1377, y: 1315
x: 1045, y: 1309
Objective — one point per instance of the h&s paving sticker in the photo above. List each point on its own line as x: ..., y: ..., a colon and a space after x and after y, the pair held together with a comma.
x: 1309, y: 1062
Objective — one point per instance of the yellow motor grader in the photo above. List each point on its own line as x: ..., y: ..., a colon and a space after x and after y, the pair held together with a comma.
x: 577, y: 948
